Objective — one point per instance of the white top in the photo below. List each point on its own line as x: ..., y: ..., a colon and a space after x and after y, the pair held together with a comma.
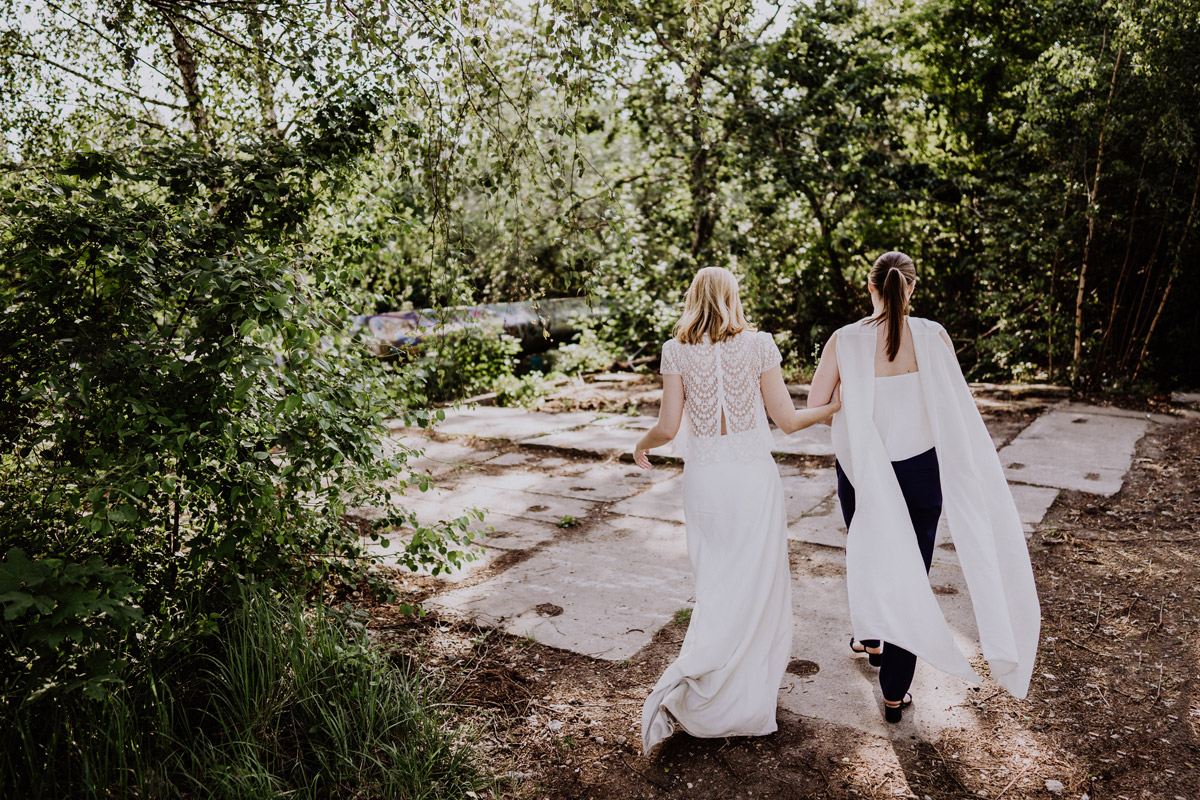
x: 722, y: 377
x: 888, y: 588
x: 901, y: 416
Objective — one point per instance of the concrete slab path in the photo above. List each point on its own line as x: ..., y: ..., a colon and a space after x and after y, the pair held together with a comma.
x: 605, y: 588
x: 604, y: 595
x: 1075, y: 447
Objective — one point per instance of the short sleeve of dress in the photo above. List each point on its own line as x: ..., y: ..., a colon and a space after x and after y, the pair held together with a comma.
x: 669, y: 364
x: 770, y: 352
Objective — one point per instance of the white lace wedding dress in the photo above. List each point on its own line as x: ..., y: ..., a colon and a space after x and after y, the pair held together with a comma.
x: 726, y: 679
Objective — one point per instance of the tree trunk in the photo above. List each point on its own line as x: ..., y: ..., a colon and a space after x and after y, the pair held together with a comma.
x: 1050, y: 296
x: 1116, y: 297
x: 1162, y: 302
x: 185, y: 60
x: 700, y: 180
x: 837, y: 278
x: 704, y: 218
x: 1093, y: 197
x: 1133, y: 324
x: 266, y: 88
x: 837, y: 275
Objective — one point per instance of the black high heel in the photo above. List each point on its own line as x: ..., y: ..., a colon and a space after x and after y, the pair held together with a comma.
x: 896, y: 713
x: 874, y: 659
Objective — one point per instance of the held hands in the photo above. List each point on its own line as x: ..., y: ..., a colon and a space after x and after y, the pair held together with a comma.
x: 829, y: 409
x: 815, y: 415
x: 798, y: 420
x: 833, y: 406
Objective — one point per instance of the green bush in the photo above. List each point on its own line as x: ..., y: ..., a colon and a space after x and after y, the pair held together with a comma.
x: 288, y: 701
x: 63, y: 623
x: 465, y: 362
x: 588, y: 353
x: 527, y: 391
x: 182, y: 398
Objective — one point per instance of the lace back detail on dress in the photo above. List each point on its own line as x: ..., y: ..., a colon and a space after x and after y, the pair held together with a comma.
x: 723, y: 377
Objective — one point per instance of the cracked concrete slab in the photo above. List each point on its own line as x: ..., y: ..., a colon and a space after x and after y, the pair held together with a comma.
x: 603, y: 595
x: 494, y: 422
x: 497, y: 535
x: 452, y: 502
x: 516, y: 458
x: 1074, y: 449
x: 604, y: 590
x: 602, y: 482
x: 641, y: 422
x: 824, y: 529
x: 515, y: 533
x: 815, y: 440
x: 440, y: 457
x: 1112, y: 411
x: 1032, y: 503
x: 662, y: 501
x: 804, y: 491
x: 600, y: 441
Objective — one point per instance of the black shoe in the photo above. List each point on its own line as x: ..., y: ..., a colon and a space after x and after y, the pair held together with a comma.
x: 874, y: 659
x: 896, y: 713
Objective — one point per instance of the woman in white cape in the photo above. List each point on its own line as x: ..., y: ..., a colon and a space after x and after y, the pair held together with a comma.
x: 909, y: 442
x: 720, y: 377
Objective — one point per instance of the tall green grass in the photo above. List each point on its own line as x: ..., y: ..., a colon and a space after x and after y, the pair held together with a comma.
x: 286, y: 701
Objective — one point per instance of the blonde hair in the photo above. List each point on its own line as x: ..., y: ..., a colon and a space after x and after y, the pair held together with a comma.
x: 711, y: 306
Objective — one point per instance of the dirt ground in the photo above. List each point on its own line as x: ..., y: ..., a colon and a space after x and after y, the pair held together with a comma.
x: 1114, y: 710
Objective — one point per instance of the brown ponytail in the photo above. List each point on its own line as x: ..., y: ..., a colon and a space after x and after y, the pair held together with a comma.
x: 891, y: 276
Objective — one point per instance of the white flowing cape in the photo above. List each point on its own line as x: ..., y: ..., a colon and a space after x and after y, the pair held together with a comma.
x: 890, y: 596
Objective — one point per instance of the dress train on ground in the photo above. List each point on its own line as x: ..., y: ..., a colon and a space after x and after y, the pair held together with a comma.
x: 727, y: 677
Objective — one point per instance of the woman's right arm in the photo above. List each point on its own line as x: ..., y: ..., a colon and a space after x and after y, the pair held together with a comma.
x: 826, y: 378
x: 670, y: 414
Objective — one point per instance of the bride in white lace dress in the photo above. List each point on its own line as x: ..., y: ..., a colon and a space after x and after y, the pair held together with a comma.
x: 720, y: 378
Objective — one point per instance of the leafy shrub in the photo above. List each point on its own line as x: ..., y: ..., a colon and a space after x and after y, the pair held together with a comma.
x: 528, y: 391
x: 587, y: 354
x: 181, y: 397
x: 465, y: 362
x: 289, y: 701
x: 64, y: 621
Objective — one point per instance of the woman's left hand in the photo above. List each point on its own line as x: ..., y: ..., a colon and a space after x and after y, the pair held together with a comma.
x: 641, y: 457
